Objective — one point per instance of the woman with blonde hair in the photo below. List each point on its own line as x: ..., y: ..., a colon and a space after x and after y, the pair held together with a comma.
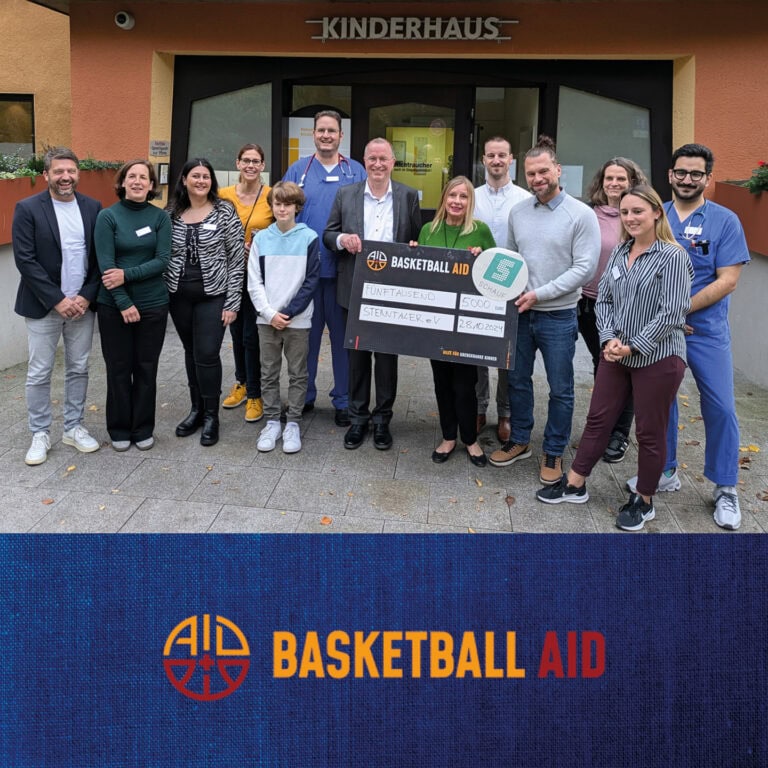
x: 643, y: 300
x: 453, y: 227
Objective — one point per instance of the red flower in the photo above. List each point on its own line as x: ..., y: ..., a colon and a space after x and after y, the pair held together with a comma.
x: 761, y: 163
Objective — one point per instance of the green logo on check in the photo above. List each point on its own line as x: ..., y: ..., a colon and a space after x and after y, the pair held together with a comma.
x: 502, y: 270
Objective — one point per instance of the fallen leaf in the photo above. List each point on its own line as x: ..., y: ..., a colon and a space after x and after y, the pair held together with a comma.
x: 744, y: 461
x: 680, y: 427
x: 696, y: 418
x: 471, y: 530
x: 48, y: 501
x: 693, y: 442
x: 510, y: 500
x: 115, y: 490
x: 349, y: 493
x: 763, y: 495
x: 325, y: 520
x: 102, y: 507
x: 215, y: 482
x: 683, y: 466
x: 405, y: 450
x: 753, y: 448
x: 481, y: 498
x: 93, y: 408
x: 479, y: 482
x: 683, y: 397
x: 452, y: 500
x: 71, y: 468
x: 209, y: 467
x: 331, y: 493
x: 684, y: 404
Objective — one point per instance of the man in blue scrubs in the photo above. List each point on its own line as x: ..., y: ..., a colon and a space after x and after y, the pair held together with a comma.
x: 320, y: 175
x: 714, y: 239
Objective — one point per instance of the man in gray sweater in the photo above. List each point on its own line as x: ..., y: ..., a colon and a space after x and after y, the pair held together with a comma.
x: 559, y: 238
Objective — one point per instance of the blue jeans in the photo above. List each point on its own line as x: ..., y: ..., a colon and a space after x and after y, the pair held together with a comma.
x: 554, y: 334
x: 43, y: 335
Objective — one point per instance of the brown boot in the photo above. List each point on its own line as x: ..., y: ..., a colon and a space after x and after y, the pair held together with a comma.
x: 503, y: 430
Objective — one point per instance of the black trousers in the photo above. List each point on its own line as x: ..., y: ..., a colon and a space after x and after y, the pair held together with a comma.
x: 587, y: 319
x: 131, y: 353
x: 456, y: 400
x: 245, y: 346
x: 197, y: 318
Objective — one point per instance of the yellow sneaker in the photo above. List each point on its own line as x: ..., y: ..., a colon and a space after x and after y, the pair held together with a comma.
x: 254, y: 409
x: 236, y: 396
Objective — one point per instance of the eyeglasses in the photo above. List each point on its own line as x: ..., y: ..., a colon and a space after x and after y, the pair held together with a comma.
x: 681, y: 173
x: 381, y: 160
x: 250, y: 161
x: 330, y: 131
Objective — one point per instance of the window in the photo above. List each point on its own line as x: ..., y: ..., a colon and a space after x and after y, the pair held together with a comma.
x: 17, y: 125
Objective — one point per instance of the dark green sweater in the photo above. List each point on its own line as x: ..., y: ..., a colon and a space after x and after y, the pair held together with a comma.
x: 134, y: 237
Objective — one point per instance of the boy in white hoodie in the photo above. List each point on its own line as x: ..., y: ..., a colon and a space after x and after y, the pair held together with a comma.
x: 283, y: 270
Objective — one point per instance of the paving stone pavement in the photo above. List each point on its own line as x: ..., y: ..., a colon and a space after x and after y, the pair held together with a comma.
x: 182, y: 487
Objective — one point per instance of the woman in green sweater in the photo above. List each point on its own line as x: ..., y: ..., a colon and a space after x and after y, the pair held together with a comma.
x: 453, y: 227
x: 133, y: 245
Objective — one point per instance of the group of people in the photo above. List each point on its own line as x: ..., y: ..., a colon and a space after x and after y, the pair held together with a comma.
x: 645, y: 283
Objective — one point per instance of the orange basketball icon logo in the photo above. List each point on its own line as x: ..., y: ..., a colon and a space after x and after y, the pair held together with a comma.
x: 220, y: 669
x: 376, y: 260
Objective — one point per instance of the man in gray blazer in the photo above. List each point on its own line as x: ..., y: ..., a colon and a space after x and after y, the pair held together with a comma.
x: 52, y: 238
x: 376, y: 209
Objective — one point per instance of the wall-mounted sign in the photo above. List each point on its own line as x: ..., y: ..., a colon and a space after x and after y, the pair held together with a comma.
x: 411, y: 28
x: 159, y: 148
x: 301, y: 141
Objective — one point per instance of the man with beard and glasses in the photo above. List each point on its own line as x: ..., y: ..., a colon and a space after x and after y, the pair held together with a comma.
x: 714, y: 239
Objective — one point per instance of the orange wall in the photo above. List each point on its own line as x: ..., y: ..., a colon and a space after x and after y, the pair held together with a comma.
x: 34, y: 59
x: 111, y: 68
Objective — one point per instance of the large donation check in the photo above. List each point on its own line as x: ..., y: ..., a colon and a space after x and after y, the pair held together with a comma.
x: 426, y: 302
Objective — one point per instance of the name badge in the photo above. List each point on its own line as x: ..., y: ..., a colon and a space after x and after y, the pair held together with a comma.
x: 616, y: 272
x: 143, y: 231
x: 210, y: 227
x: 692, y: 231
x: 331, y: 178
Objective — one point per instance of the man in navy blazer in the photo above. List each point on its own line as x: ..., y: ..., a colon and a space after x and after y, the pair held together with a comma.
x: 53, y: 248
x: 376, y: 209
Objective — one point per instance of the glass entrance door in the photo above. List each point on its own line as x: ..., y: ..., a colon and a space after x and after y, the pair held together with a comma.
x: 429, y: 129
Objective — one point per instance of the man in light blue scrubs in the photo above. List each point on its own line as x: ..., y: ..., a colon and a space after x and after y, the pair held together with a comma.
x: 714, y: 239
x: 320, y: 175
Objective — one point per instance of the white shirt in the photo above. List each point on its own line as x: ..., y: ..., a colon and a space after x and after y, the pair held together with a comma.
x: 492, y: 206
x: 378, y: 215
x: 74, y: 259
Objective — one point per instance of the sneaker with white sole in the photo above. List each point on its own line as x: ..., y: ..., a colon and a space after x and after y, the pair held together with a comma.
x: 551, y: 469
x: 121, y: 445
x: 269, y: 436
x: 237, y: 396
x: 562, y: 491
x: 509, y: 453
x: 146, y: 444
x: 81, y: 439
x: 666, y: 484
x: 38, y: 451
x: 727, y: 510
x: 635, y: 513
x: 291, y: 438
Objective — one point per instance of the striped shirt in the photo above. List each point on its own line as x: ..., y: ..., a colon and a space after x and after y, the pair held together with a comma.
x: 220, y: 247
x: 646, y: 306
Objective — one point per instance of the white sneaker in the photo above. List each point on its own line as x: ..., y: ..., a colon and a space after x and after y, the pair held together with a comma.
x: 727, y: 510
x: 666, y: 484
x: 269, y: 436
x: 38, y: 451
x: 291, y: 438
x: 79, y: 437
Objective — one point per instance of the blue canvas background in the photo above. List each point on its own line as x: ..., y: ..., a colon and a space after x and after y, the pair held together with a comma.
x: 85, y: 618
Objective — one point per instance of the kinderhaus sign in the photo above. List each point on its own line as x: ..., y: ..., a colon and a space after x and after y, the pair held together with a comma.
x: 411, y: 28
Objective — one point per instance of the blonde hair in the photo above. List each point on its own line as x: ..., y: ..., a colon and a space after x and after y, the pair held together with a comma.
x: 468, y: 225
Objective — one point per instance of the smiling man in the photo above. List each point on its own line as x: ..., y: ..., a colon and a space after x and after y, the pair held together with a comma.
x: 493, y: 202
x: 53, y: 249
x: 714, y: 239
x: 376, y: 209
x: 559, y: 238
x: 320, y: 175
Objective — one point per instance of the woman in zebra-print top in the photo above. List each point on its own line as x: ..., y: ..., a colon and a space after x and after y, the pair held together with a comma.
x: 204, y: 278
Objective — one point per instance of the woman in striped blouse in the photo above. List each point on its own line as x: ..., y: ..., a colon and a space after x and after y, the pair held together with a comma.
x: 205, y: 279
x: 643, y: 299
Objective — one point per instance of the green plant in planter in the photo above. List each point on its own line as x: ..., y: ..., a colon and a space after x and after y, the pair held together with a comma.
x: 758, y: 182
x: 14, y: 166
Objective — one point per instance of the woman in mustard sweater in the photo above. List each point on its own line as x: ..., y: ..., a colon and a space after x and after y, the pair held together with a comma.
x: 453, y: 227
x: 249, y: 196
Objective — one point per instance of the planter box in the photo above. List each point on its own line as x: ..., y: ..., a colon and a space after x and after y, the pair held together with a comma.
x: 98, y: 184
x: 751, y: 209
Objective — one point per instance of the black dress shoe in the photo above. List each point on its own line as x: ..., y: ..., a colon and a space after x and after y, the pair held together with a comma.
x: 308, y: 407
x: 341, y: 417
x: 355, y: 436
x: 478, y: 461
x: 441, y: 458
x: 382, y: 437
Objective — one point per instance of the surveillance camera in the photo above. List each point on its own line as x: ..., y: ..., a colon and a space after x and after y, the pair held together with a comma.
x: 124, y: 20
